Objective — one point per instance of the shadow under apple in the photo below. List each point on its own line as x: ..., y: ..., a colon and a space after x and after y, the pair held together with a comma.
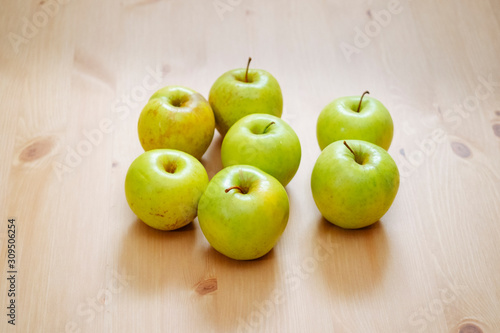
x: 357, y: 260
x: 211, y: 160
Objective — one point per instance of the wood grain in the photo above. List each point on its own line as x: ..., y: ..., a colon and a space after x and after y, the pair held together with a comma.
x: 74, y: 76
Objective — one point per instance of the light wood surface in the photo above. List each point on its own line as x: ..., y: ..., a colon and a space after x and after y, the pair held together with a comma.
x: 86, y: 264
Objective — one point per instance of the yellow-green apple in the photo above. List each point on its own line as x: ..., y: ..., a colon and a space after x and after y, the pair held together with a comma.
x: 163, y: 188
x: 177, y: 118
x: 355, y: 118
x: 243, y: 212
x: 241, y: 92
x: 354, y: 183
x: 264, y: 141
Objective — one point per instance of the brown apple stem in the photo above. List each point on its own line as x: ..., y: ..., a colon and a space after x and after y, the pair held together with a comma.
x: 234, y: 188
x: 248, y: 65
x: 361, y: 100
x: 267, y: 127
x: 345, y: 143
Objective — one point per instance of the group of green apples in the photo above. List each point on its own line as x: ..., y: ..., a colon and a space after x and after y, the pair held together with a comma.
x: 244, y: 209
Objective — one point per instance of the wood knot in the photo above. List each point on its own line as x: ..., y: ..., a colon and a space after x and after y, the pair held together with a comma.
x: 39, y: 148
x: 206, y: 286
x: 496, y: 129
x: 460, y: 149
x: 470, y: 328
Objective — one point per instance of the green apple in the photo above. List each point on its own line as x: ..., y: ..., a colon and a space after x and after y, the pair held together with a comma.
x: 163, y: 188
x: 355, y: 118
x: 354, y: 183
x: 264, y: 141
x: 243, y: 212
x: 238, y: 93
x: 177, y: 118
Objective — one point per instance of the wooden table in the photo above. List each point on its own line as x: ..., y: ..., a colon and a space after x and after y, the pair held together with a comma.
x: 74, y: 76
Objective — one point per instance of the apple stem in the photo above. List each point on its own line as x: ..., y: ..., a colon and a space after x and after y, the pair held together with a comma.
x: 248, y: 65
x: 235, y: 188
x: 267, y: 127
x: 361, y: 100
x: 345, y: 143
